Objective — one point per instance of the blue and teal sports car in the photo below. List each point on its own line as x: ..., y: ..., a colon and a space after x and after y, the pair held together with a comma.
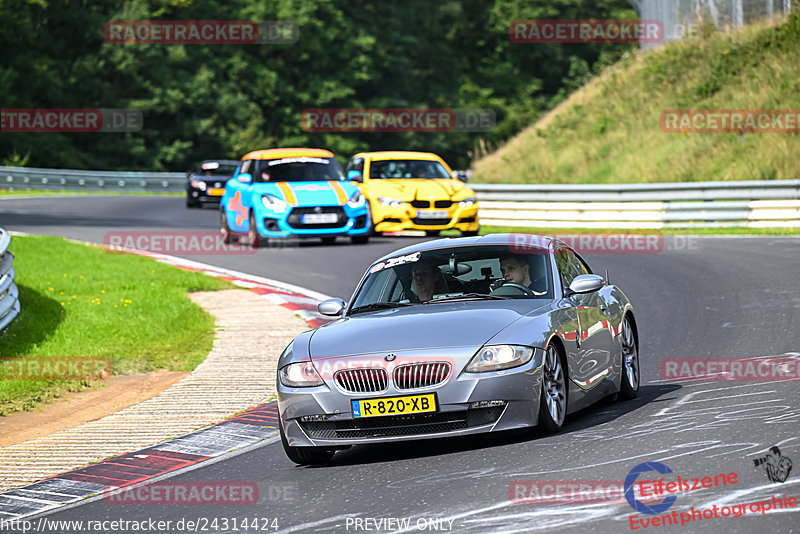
x: 299, y: 192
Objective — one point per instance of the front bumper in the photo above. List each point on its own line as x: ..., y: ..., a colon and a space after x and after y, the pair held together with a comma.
x: 518, y: 388
x: 199, y: 195
x: 351, y: 222
x: 406, y: 217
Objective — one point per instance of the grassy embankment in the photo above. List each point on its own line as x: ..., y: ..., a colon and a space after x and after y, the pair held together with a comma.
x: 609, y: 131
x: 80, y: 300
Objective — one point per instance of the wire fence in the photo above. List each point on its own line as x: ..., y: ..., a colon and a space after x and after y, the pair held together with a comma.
x: 683, y: 17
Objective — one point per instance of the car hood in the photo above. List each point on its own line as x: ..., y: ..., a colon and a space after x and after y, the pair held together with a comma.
x: 318, y: 193
x: 421, y: 189
x: 424, y: 326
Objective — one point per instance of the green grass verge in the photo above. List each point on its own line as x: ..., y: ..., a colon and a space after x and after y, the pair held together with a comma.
x: 61, y: 192
x: 664, y: 231
x: 609, y: 131
x: 80, y: 300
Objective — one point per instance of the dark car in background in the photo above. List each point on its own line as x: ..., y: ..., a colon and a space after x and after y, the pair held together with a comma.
x: 206, y: 184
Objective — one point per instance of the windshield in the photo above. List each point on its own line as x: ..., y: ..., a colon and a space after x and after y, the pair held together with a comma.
x: 407, y: 168
x: 299, y: 169
x: 216, y: 169
x: 457, y: 273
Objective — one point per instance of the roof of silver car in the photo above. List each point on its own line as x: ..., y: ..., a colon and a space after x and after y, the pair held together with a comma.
x: 489, y: 239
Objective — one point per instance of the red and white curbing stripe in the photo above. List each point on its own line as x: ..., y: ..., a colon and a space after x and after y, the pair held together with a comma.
x: 301, y: 300
x: 233, y: 436
x: 238, y: 434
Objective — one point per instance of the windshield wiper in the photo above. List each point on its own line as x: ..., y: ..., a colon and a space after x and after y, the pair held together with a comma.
x: 468, y: 296
x: 379, y: 306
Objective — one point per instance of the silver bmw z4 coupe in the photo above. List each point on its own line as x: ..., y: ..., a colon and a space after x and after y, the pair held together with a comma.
x: 454, y: 337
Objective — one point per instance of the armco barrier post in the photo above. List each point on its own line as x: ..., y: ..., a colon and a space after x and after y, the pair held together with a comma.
x: 9, y: 295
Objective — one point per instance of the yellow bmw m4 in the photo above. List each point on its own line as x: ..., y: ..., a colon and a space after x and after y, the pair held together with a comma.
x: 413, y: 191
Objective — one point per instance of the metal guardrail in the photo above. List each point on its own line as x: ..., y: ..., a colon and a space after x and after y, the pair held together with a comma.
x: 9, y: 295
x: 755, y: 203
x: 752, y: 203
x: 14, y: 178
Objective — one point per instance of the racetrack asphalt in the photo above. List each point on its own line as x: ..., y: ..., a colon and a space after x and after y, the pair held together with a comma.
x: 698, y: 297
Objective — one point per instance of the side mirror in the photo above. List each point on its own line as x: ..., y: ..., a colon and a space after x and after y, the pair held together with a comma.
x: 245, y: 178
x: 586, y: 283
x: 332, y: 307
x: 355, y: 176
x: 462, y: 175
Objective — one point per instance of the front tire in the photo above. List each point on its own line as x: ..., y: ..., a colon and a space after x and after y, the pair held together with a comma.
x: 359, y: 239
x: 470, y: 233
x: 553, y: 402
x: 371, y: 221
x: 252, y: 232
x: 191, y: 203
x: 432, y: 233
x: 630, y: 361
x: 224, y: 229
x: 305, y: 455
x: 329, y: 240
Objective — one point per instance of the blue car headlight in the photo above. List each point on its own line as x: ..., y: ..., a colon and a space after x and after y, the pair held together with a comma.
x: 497, y: 357
x: 357, y: 200
x: 271, y: 202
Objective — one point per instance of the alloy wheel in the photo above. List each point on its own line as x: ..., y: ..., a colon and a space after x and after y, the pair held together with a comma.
x: 554, y: 386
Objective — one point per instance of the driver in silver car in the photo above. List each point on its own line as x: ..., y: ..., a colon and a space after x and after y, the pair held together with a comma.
x: 425, y: 276
x: 516, y: 269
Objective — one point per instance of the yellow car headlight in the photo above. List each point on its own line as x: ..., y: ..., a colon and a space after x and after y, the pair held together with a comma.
x: 390, y: 202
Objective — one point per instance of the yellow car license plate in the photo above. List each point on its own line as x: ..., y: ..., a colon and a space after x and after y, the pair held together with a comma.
x: 433, y: 214
x: 394, y: 405
x: 216, y: 192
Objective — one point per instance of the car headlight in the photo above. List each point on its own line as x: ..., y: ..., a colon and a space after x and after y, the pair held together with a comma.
x: 390, y: 202
x: 300, y: 375
x: 468, y: 202
x: 199, y: 184
x: 357, y: 200
x: 271, y: 202
x: 496, y: 357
